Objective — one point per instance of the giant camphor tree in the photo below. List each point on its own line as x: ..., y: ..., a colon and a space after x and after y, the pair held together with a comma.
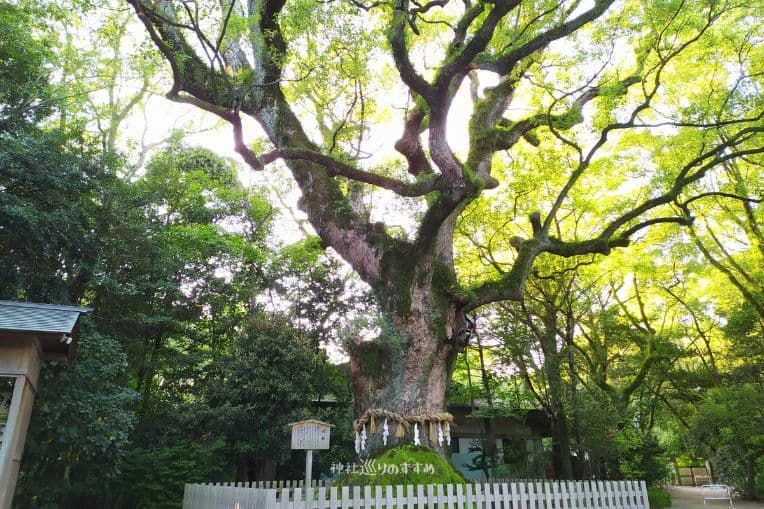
x: 601, y: 119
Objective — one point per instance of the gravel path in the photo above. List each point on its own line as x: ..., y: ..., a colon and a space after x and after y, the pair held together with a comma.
x: 687, y: 497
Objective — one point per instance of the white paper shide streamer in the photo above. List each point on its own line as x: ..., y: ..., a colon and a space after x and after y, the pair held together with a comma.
x: 362, y: 434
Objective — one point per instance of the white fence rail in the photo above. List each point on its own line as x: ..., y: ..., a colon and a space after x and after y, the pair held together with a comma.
x: 328, y: 483
x: 536, y: 495
x: 269, y: 484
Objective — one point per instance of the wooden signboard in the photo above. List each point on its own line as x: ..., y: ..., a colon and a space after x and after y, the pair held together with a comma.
x: 6, y: 391
x: 310, y: 435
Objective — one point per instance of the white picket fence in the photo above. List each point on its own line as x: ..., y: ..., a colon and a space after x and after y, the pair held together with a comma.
x: 536, y: 495
x: 270, y: 484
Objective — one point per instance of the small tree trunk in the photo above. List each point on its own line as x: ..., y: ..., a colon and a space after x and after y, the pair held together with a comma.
x: 265, y: 469
x: 556, y: 393
x: 491, y: 453
x: 750, y: 477
x: 242, y: 469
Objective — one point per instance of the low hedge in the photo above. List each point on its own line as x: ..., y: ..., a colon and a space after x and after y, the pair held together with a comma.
x: 658, y: 498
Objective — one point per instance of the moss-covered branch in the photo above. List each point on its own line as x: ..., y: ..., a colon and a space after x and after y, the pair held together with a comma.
x: 503, y: 63
x: 506, y: 134
x: 196, y: 82
x: 335, y: 167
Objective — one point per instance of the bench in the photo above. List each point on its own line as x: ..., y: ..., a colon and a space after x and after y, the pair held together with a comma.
x: 716, y: 492
x: 700, y: 480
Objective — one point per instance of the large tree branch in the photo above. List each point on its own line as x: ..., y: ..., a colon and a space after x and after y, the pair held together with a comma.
x: 397, y: 39
x: 644, y: 370
x: 506, y: 134
x: 410, y: 144
x: 190, y: 73
x: 196, y: 83
x: 461, y: 55
x: 648, y: 97
x: 503, y: 63
x: 486, y: 114
x: 730, y: 149
x: 704, y: 163
x: 509, y: 285
x: 438, y: 97
x: 721, y: 194
x: 335, y: 167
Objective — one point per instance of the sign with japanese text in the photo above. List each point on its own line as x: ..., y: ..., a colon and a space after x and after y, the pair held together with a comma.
x: 309, y: 435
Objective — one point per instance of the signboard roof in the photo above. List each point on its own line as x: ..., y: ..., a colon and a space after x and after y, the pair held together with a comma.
x: 53, y: 325
x: 27, y: 316
x: 311, y: 421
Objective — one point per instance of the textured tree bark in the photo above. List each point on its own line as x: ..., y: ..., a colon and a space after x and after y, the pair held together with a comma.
x: 556, y: 405
x: 490, y: 452
x: 417, y: 386
x: 407, y: 369
x: 414, y: 384
x: 750, y: 478
x: 563, y: 465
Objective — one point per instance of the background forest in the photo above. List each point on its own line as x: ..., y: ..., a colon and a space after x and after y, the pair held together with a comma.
x: 211, y: 325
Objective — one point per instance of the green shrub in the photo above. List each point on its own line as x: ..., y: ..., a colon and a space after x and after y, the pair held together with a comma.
x: 658, y: 498
x: 402, y: 465
x: 640, y: 456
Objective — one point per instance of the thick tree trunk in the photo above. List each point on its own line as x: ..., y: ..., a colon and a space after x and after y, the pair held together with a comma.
x: 415, y: 384
x: 402, y: 373
x: 563, y: 465
x: 407, y: 369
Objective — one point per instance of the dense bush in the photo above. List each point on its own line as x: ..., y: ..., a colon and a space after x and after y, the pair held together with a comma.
x: 658, y: 498
x: 728, y: 429
x: 641, y: 457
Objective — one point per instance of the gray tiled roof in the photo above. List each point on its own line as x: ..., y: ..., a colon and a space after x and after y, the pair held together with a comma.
x: 27, y: 316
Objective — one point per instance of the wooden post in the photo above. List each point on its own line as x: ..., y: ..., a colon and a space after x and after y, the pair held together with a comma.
x: 21, y: 362
x: 308, y: 467
x: 29, y: 334
x: 309, y: 435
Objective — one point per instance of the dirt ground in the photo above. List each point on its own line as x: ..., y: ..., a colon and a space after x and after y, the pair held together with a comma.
x: 687, y: 497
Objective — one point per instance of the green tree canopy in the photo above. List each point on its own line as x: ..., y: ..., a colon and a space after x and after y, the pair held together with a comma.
x: 597, y: 123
